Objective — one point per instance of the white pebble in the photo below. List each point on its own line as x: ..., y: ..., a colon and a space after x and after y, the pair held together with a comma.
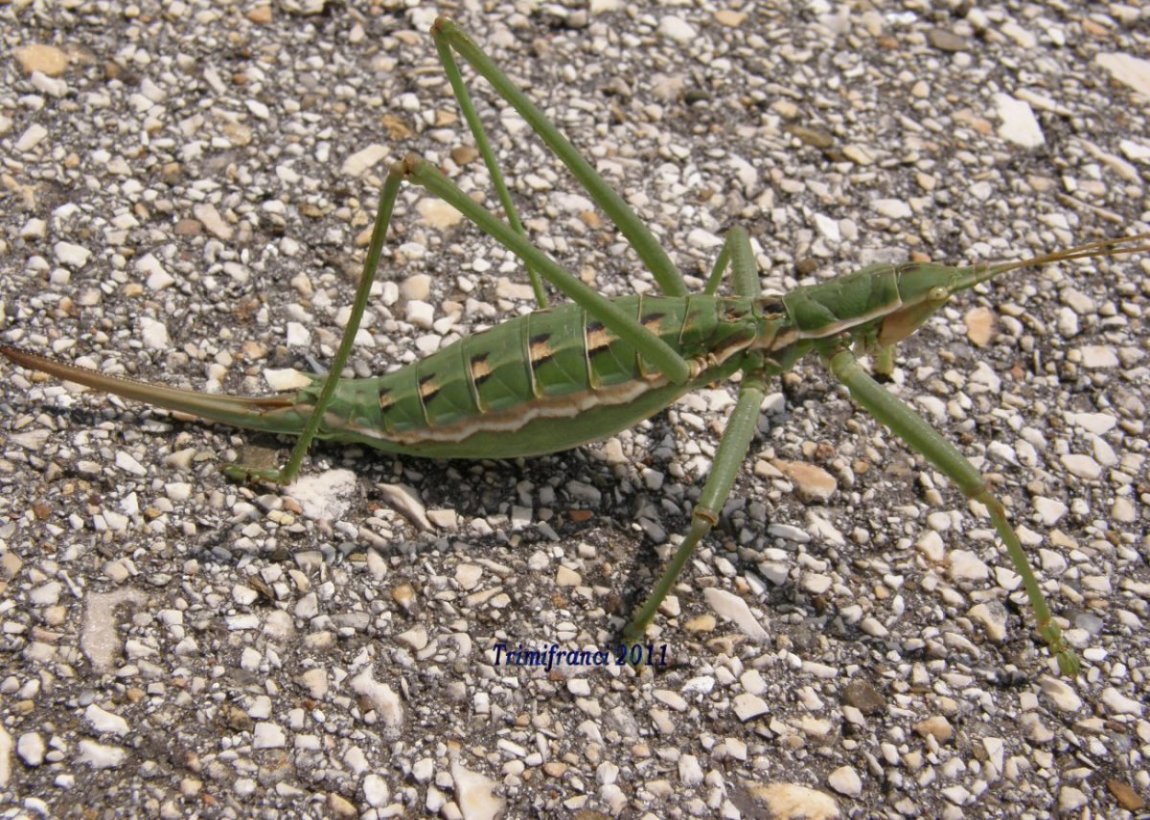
x: 364, y: 159
x: 892, y: 208
x: 72, y: 255
x: 964, y: 565
x: 420, y: 313
x: 677, y: 29
x: 1081, y: 466
x: 268, y: 735
x: 845, y: 780
x: 298, y: 335
x: 1119, y: 704
x: 1098, y: 357
x: 154, y: 334
x: 31, y: 748
x: 98, y: 755
x: 733, y: 608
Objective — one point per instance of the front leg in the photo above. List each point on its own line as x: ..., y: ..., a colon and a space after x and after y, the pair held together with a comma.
x: 924, y: 439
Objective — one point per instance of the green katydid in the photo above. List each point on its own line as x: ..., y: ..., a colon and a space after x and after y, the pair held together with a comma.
x: 602, y: 365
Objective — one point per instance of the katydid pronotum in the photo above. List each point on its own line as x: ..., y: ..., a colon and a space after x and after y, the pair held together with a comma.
x: 602, y: 365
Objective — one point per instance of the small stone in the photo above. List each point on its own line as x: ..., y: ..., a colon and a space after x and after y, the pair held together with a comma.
x: 1018, y: 34
x: 1123, y: 511
x: 828, y: 228
x: 267, y: 735
x: 1098, y: 357
x: 416, y: 638
x: 31, y: 748
x: 813, y: 484
x: 468, y: 575
x: 405, y: 500
x: 752, y: 681
x: 46, y: 59
x: 383, y: 699
x: 420, y: 313
x: 475, y: 794
x: 700, y: 624
x: 671, y: 698
x: 315, y: 681
x: 566, y: 577
x: 375, y: 790
x: 748, y: 707
x: 937, y: 727
x: 447, y: 520
x: 210, y: 218
x: 99, y: 637
x: 892, y: 208
x: 845, y: 780
x: 33, y: 135
x: 1060, y: 694
x: 1097, y: 423
x: 1081, y: 466
x: 1119, y: 704
x: 298, y: 335
x: 815, y: 583
x: 1071, y: 799
x: 1068, y: 325
x: 992, y: 615
x: 859, y: 154
x: 325, y: 496
x: 104, y: 722
x: 1035, y: 730
x: 363, y: 160
x: 99, y: 755
x: 964, y: 565
x: 791, y: 800
x: 1128, y: 70
x: 733, y: 608
x: 931, y: 545
x: 729, y: 18
x: 690, y: 772
x: 864, y: 697
x: 47, y: 594
x: 1125, y: 795
x: 70, y: 254
x: 154, y: 334
x: 286, y: 379
x: 158, y: 277
x: 340, y: 806
x: 677, y: 29
x: 979, y: 326
x: 945, y: 40
x: 417, y: 287
x: 1019, y: 125
x: 1049, y: 510
x: 515, y: 291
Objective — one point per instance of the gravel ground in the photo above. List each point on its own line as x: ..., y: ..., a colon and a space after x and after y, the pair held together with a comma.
x: 186, y: 192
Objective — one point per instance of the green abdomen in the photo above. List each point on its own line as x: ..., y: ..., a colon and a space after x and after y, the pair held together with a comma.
x: 543, y: 382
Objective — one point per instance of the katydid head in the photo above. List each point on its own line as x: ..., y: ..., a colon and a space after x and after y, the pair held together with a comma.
x: 924, y: 288
x: 965, y: 278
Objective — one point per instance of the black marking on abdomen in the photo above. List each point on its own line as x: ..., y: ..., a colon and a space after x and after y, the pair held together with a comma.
x: 480, y: 370
x: 540, y: 351
x: 428, y: 390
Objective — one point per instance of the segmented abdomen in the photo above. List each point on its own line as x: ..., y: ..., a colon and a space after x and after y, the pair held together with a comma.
x: 555, y: 367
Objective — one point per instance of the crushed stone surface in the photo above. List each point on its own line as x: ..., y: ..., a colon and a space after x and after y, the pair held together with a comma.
x: 186, y: 193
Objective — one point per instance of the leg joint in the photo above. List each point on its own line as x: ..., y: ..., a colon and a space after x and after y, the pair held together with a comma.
x: 706, y: 515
